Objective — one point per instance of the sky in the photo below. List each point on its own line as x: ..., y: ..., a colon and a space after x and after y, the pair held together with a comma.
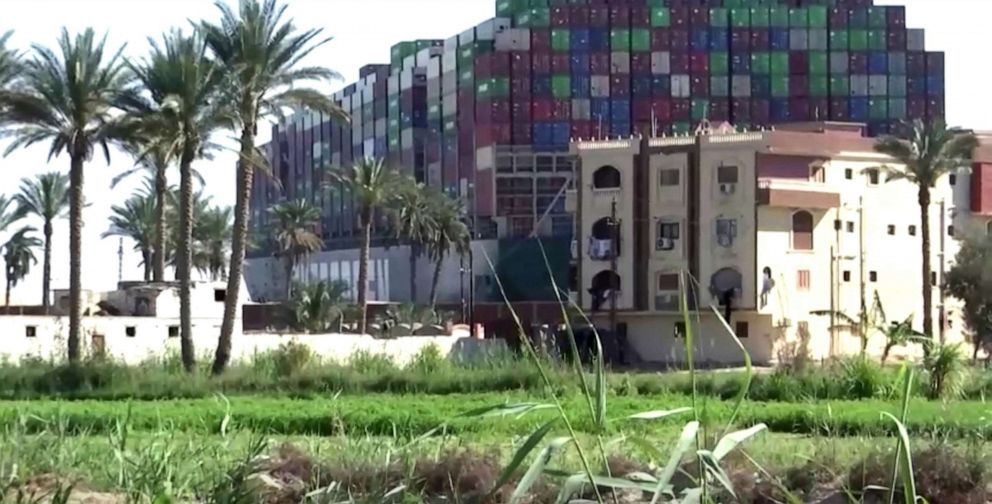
x: 363, y: 31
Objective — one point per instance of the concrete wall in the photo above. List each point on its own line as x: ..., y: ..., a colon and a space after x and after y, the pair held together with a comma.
x: 152, y: 340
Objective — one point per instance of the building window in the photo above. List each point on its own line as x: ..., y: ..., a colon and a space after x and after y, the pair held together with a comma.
x: 130, y: 331
x: 173, y: 331
x: 220, y: 295
x: 892, y: 229
x: 847, y: 276
x: 873, y: 276
x: 912, y: 230
x: 726, y: 232
x: 669, y: 177
x: 950, y: 230
x: 668, y: 235
x: 933, y: 278
x: 726, y: 175
x: 838, y: 225
x: 606, y: 177
x: 850, y: 227
x: 30, y: 331
x: 802, y: 230
x: 679, y: 330
x: 873, y: 176
x: 952, y: 179
x: 741, y: 329
x: 848, y: 174
x: 668, y: 282
x: 802, y: 280
x: 817, y: 174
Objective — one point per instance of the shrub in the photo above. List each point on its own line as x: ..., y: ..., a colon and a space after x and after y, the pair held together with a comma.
x: 946, y: 369
x: 428, y: 360
x: 291, y: 357
x: 367, y: 362
x: 942, y: 474
x: 862, y: 378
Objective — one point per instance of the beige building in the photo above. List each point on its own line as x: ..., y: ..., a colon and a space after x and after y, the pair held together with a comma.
x: 775, y: 224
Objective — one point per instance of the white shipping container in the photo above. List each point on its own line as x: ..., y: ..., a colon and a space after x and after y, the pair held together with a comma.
x: 410, y: 62
x: 599, y: 86
x: 719, y: 86
x: 878, y: 85
x: 369, y: 147
x: 485, y: 30
x: 381, y: 126
x: 466, y: 37
x: 451, y: 43
x: 406, y: 138
x: 449, y: 61
x: 839, y: 62
x: 661, y: 63
x: 449, y: 82
x: 897, y: 85
x: 680, y: 86
x: 581, y: 109
x: 423, y: 57
x: 356, y: 101
x: 859, y: 85
x: 514, y: 39
x: 406, y: 80
x: 502, y: 24
x: 434, y: 68
x: 620, y: 62
x: 485, y: 158
x: 393, y: 84
x: 449, y: 104
x: 798, y: 39
x: 741, y: 86
x: 897, y: 63
x: 818, y: 39
x: 368, y: 95
x: 916, y: 39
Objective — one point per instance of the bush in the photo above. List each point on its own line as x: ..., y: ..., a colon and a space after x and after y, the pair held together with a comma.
x: 942, y: 474
x: 946, y: 370
x: 428, y: 360
x: 366, y: 362
x: 291, y: 357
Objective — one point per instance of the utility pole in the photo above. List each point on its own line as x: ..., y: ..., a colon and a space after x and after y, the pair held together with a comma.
x: 614, y: 251
x: 862, y: 330
x: 833, y: 301
x: 120, y: 260
x: 943, y: 269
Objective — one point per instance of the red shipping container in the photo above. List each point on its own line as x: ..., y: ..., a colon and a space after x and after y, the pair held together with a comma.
x: 897, y: 40
x: 760, y: 39
x: 641, y: 109
x: 935, y: 63
x: 493, y: 134
x: 640, y: 16
x: 541, y: 62
x: 858, y: 63
x: 520, y: 110
x: 699, y: 62
x: 760, y: 111
x: 619, y: 16
x: 466, y: 99
x: 679, y: 39
x: 501, y: 112
x: 799, y: 63
x: 740, y: 39
x: 561, y: 110
x: 599, y: 63
x: 680, y: 16
x: 578, y: 16
x: 840, y: 109
x: 660, y: 39
x: 561, y: 63
x: 599, y: 16
x: 581, y: 130
x: 700, y: 86
x: 740, y: 108
x: 543, y: 109
x: 897, y: 16
x: 916, y: 63
x: 645, y: 129
x: 681, y: 109
x: 680, y: 62
x: 719, y: 109
x: 520, y: 87
x: 799, y: 109
x: 662, y: 110
x: 620, y: 85
x: 838, y: 18
x: 916, y: 107
x: 798, y: 85
x: 560, y: 16
x: 640, y: 63
x: 520, y: 63
x: 485, y: 200
x: 540, y: 39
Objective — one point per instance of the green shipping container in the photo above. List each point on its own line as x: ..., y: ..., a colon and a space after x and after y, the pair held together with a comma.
x: 466, y: 55
x: 780, y: 63
x: 681, y: 128
x: 778, y: 17
x: 620, y: 40
x: 538, y: 3
x: 839, y: 39
x: 818, y: 86
x: 818, y: 62
x: 740, y: 17
x: 760, y: 17
x: 840, y: 85
x: 719, y: 17
x: 640, y: 40
x: 523, y: 20
x: 700, y: 108
x: 780, y: 86
x: 877, y: 40
x: 561, y: 86
x: 661, y: 17
x: 798, y: 17
x: 897, y: 108
x: 719, y: 86
x: 434, y: 112
x: 560, y: 40
x: 760, y: 63
x: 653, y: 3
x: 540, y: 17
x: 466, y: 79
x: 877, y: 17
x: 818, y: 16
x: 484, y: 88
x: 878, y: 108
x: 719, y: 63
x: 858, y: 40
x: 501, y: 87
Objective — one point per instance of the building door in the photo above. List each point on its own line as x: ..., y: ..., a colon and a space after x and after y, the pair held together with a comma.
x: 99, y: 346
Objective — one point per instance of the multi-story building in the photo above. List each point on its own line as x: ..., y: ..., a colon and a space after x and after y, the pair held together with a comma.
x: 768, y: 226
x: 488, y: 114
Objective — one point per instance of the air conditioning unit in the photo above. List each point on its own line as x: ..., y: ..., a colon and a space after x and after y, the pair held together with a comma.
x: 728, y: 189
x: 666, y: 244
x: 725, y: 240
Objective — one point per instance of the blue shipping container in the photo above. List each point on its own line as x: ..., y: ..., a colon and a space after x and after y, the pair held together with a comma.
x: 561, y: 133
x: 916, y: 86
x: 579, y: 40
x: 579, y: 63
x: 641, y: 86
x: 619, y: 110
x: 935, y: 85
x: 700, y: 40
x: 761, y: 86
x: 740, y: 63
x: 779, y: 39
x: 878, y: 63
x: 580, y: 86
x: 600, y: 108
x: 859, y: 109
x: 719, y: 39
x: 541, y: 86
x: 661, y: 86
x: 543, y: 133
x: 599, y: 39
x: 780, y: 110
x: 618, y: 128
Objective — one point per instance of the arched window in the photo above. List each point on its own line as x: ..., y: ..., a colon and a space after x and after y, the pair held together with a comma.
x: 602, y: 229
x: 605, y: 284
x: 802, y: 230
x: 606, y: 177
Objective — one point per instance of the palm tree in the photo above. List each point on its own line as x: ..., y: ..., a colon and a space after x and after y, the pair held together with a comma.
x: 10, y: 68
x: 212, y: 239
x: 261, y: 52
x: 184, y: 85
x: 18, y: 257
x: 295, y: 232
x: 316, y: 307
x: 414, y: 223
x: 47, y: 197
x: 135, y: 219
x: 452, y: 235
x: 927, y: 152
x: 867, y: 321
x: 69, y: 100
x: 153, y: 160
x: 373, y: 186
x: 10, y: 213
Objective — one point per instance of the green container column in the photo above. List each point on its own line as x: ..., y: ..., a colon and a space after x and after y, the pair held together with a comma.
x: 761, y: 63
x: 719, y: 63
x: 839, y: 40
x: 640, y: 40
x: 780, y: 86
x: 858, y: 40
x: 661, y: 17
x: 780, y: 63
x: 719, y: 17
x: 619, y: 40
x: 778, y: 17
x: 840, y: 85
x: 760, y: 17
x: 818, y: 63
x: 700, y: 108
x: 877, y: 40
x: 561, y: 40
x: 818, y: 86
x: 561, y: 86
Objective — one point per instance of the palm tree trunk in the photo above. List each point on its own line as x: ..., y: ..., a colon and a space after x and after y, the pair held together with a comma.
x: 146, y: 260
x: 885, y: 353
x: 185, y: 259
x: 924, y: 198
x: 436, y: 279
x: 161, y: 188
x: 363, y: 270
x: 414, y: 254
x: 75, y: 251
x: 46, y: 277
x: 7, y: 294
x: 288, y: 265
x: 239, y: 244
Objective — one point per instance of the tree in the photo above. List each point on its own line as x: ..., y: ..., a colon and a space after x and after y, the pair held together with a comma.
x: 900, y: 333
x: 135, y: 219
x: 10, y: 69
x: 212, y: 239
x: 865, y: 323
x: 927, y: 152
x: 260, y: 52
x: 18, y: 257
x: 46, y: 197
x: 185, y: 110
x: 414, y: 223
x: 452, y: 235
x: 970, y: 280
x: 10, y: 212
x: 69, y: 100
x: 315, y: 307
x: 373, y: 187
x: 295, y: 233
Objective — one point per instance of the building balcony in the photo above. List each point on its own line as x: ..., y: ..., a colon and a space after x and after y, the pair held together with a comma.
x: 797, y: 194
